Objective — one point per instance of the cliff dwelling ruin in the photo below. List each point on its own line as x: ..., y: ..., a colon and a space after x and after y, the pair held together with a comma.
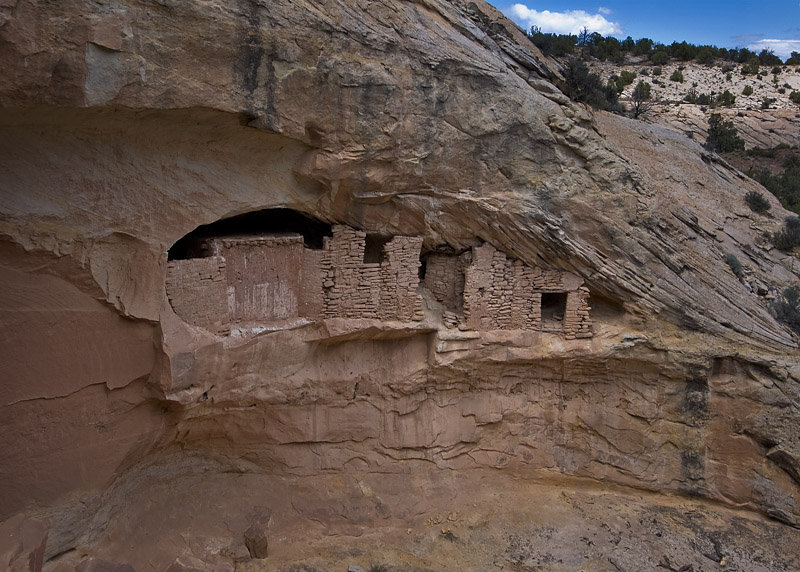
x: 274, y: 268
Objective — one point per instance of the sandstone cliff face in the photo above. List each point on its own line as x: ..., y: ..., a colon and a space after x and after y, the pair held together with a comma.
x: 127, y: 125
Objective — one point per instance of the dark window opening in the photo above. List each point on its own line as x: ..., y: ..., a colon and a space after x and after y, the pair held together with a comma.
x: 268, y: 221
x: 554, y: 305
x: 373, y: 248
x: 423, y: 262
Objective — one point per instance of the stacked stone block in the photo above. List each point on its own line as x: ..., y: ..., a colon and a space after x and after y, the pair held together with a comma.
x: 399, y: 276
x: 548, y: 280
x: 263, y: 279
x: 383, y: 290
x: 344, y: 292
x: 197, y: 291
x: 444, y: 278
x: 577, y: 323
x: 505, y: 294
x: 499, y: 293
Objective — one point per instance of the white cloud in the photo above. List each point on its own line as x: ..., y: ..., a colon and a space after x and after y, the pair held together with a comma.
x: 782, y: 48
x: 605, y: 11
x: 569, y: 22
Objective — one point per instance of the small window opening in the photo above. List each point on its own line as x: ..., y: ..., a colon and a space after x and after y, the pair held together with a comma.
x: 554, y: 305
x: 267, y: 221
x: 423, y: 267
x: 374, y: 251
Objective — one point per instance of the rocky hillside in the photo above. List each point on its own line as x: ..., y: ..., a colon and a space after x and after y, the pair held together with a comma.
x: 765, y: 118
x: 131, y: 434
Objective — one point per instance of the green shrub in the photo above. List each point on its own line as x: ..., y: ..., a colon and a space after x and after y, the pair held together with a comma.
x: 785, y: 186
x: 641, y: 97
x: 726, y: 99
x: 677, y: 75
x: 748, y: 90
x: 587, y: 87
x: 767, y: 102
x: 767, y: 57
x: 787, y: 308
x: 627, y: 77
x: 642, y: 46
x: 691, y: 96
x: 553, y: 44
x: 657, y: 70
x: 789, y: 236
x: 728, y: 76
x: 751, y: 67
x: 761, y: 152
x: 704, y: 56
x: 795, y: 96
x: 756, y: 202
x: 722, y: 135
x: 659, y: 57
x: 735, y: 265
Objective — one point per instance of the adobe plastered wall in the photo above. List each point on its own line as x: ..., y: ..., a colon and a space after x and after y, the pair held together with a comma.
x: 263, y: 276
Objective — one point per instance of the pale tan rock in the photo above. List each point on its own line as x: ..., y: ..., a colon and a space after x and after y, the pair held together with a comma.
x: 764, y: 128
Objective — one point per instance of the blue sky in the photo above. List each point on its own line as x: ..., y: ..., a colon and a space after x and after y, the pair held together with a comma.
x: 736, y: 23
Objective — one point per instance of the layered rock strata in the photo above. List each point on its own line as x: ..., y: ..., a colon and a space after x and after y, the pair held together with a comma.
x: 127, y: 125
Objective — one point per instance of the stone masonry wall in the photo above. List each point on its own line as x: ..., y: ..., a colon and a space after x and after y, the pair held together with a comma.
x: 341, y: 274
x: 353, y: 288
x: 270, y: 278
x: 261, y: 279
x: 197, y: 291
x: 499, y: 293
x: 505, y: 294
x: 444, y: 277
x: 577, y: 323
x: 399, y: 275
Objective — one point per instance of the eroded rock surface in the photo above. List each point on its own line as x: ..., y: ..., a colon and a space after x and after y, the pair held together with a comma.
x: 126, y: 126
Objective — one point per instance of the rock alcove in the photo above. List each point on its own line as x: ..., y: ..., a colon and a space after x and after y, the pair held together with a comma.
x: 275, y: 268
x: 144, y: 435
